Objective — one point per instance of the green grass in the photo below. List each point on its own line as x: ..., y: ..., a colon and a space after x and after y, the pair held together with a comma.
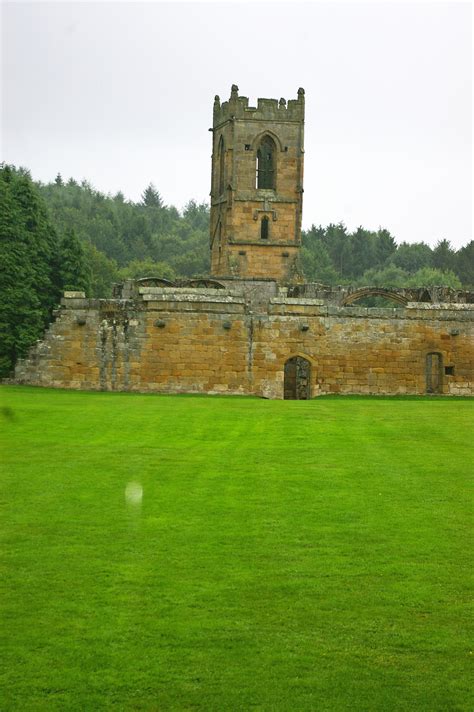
x: 285, y: 556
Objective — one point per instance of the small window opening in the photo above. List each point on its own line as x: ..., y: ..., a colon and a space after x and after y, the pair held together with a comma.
x: 264, y: 228
x: 247, y: 147
x: 266, y: 164
x: 449, y: 370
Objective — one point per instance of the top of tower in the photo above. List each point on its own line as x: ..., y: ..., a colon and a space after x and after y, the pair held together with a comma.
x: 237, y: 107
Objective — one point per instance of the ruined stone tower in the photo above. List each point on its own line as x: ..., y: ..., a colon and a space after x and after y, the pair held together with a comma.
x: 257, y: 187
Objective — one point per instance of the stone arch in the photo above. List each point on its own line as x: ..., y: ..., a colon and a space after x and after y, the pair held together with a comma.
x: 154, y: 282
x: 374, y: 292
x: 203, y: 283
x: 260, y: 137
x: 297, y: 377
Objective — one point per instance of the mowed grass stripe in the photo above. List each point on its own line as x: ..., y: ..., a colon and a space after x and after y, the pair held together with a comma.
x: 285, y: 555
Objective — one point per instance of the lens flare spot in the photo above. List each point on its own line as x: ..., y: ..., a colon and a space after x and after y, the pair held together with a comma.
x: 133, y: 494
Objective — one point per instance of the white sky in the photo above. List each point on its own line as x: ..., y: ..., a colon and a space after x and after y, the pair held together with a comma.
x: 121, y: 93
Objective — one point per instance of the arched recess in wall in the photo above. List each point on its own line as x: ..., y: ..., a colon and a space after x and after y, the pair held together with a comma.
x: 154, y: 282
x: 365, y: 293
x: 203, y: 283
x: 266, y: 163
x: 221, y: 163
x: 297, y: 378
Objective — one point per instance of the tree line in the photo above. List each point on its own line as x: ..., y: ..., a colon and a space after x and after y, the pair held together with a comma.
x: 333, y: 255
x: 68, y: 235
x: 123, y: 239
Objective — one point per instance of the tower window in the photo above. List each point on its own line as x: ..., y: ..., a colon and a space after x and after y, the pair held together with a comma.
x: 266, y: 164
x: 264, y: 228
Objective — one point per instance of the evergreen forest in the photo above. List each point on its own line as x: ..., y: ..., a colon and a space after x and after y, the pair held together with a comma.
x: 68, y: 235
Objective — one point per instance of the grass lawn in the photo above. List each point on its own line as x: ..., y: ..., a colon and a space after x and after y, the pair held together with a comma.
x: 284, y: 555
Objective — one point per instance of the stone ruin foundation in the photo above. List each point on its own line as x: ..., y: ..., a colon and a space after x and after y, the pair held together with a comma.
x: 258, y: 338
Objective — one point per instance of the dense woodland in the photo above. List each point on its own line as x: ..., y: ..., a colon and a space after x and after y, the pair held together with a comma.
x: 67, y: 235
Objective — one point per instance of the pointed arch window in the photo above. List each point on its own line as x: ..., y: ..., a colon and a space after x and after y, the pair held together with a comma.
x: 266, y: 163
x: 221, y: 154
x: 264, y: 228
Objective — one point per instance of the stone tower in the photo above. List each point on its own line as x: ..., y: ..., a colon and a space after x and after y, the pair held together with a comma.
x: 257, y: 187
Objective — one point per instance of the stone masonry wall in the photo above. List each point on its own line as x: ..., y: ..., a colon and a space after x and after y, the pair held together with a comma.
x: 259, y: 260
x: 173, y: 340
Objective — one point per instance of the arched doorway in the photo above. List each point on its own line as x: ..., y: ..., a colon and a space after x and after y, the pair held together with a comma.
x: 434, y: 373
x: 297, y: 379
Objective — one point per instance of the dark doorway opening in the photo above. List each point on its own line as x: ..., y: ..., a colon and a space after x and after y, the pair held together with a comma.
x: 297, y: 379
x: 434, y: 373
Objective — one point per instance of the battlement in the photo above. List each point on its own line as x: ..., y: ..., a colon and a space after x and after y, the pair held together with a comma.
x: 237, y: 107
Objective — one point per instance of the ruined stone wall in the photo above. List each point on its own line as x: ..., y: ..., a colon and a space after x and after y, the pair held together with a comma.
x: 172, y: 340
x: 360, y: 350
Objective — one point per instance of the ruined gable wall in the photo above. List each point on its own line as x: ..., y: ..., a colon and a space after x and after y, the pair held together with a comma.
x: 208, y: 341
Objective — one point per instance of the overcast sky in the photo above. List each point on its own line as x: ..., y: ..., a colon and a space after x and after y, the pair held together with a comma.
x: 121, y: 93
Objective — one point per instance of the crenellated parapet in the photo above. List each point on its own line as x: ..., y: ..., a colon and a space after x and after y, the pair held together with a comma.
x: 237, y: 107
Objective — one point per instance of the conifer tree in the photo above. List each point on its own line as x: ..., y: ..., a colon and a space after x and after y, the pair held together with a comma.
x: 385, y: 246
x: 73, y: 269
x: 465, y: 264
x: 29, y: 280
x: 444, y: 256
x: 151, y: 197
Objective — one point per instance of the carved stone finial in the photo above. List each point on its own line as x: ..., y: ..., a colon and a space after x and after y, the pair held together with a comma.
x: 217, y: 99
x: 234, y: 91
x: 300, y: 92
x: 282, y: 102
